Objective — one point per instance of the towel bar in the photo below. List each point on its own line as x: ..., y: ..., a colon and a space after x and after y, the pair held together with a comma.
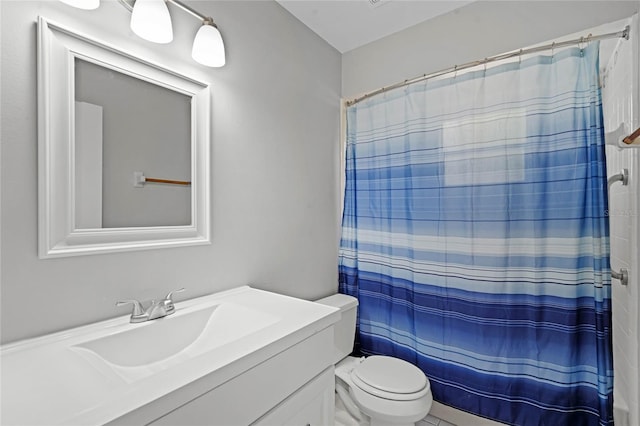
x: 629, y: 139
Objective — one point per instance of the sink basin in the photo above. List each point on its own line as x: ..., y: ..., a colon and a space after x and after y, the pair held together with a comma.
x: 195, y: 331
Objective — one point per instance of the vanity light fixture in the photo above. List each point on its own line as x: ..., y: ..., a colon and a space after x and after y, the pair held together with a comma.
x: 83, y: 4
x: 151, y: 20
x: 208, y: 48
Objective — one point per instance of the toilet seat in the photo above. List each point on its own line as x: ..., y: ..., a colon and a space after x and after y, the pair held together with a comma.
x: 390, y: 378
x: 380, y: 405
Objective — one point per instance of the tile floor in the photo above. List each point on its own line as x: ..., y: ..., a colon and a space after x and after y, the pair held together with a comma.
x: 433, y: 421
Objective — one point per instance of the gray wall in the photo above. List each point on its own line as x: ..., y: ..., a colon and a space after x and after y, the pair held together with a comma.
x: 476, y: 31
x: 275, y: 133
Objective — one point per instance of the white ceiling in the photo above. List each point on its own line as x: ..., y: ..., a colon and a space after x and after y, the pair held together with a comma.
x: 347, y: 24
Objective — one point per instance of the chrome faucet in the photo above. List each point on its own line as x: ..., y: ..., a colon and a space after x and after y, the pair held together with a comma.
x: 157, y: 308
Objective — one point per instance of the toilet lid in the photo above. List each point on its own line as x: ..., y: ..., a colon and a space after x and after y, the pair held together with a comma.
x: 390, y: 378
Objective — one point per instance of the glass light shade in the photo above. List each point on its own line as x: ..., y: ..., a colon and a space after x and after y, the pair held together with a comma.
x: 83, y: 4
x: 208, y: 48
x: 150, y: 20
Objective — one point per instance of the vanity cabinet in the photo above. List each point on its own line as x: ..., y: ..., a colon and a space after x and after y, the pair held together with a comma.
x: 293, y: 387
x: 312, y: 405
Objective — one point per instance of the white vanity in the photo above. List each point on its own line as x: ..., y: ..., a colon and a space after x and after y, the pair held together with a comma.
x: 239, y: 357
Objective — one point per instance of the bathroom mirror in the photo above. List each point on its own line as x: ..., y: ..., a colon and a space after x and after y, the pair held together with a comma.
x: 123, y: 149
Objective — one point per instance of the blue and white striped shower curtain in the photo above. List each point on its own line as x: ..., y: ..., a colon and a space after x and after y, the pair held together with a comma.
x: 475, y: 236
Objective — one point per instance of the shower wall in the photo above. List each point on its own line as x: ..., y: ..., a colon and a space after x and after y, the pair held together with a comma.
x: 620, y: 104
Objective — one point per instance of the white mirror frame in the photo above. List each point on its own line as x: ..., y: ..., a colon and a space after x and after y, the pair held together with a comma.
x: 57, y: 235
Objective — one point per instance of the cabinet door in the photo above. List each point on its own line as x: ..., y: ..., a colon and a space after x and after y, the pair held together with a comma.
x: 311, y: 405
x: 250, y: 395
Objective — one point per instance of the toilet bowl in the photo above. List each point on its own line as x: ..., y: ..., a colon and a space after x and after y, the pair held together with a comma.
x: 377, y: 390
x: 389, y: 391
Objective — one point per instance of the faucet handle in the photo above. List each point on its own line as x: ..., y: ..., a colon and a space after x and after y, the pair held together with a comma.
x: 168, y: 301
x: 137, y: 307
x: 170, y: 295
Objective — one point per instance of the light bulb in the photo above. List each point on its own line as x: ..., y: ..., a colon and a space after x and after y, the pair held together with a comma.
x: 208, y: 47
x: 150, y: 20
x: 83, y: 4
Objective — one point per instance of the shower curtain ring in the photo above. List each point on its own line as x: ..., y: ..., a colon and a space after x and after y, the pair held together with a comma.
x: 553, y: 47
x: 586, y: 43
x: 520, y: 56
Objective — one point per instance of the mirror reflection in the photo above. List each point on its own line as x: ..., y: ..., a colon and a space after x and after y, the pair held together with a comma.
x: 126, y: 128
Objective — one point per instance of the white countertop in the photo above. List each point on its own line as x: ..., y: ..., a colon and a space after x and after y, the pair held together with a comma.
x: 49, y: 381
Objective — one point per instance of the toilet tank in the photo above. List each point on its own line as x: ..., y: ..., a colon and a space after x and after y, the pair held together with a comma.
x: 344, y: 331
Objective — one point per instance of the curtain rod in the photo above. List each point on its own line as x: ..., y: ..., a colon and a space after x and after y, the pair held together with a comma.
x: 621, y: 34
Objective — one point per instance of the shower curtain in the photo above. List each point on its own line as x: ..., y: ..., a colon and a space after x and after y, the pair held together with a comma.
x: 475, y: 237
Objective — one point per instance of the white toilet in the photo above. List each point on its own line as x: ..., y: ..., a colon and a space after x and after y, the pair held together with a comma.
x: 378, y: 390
